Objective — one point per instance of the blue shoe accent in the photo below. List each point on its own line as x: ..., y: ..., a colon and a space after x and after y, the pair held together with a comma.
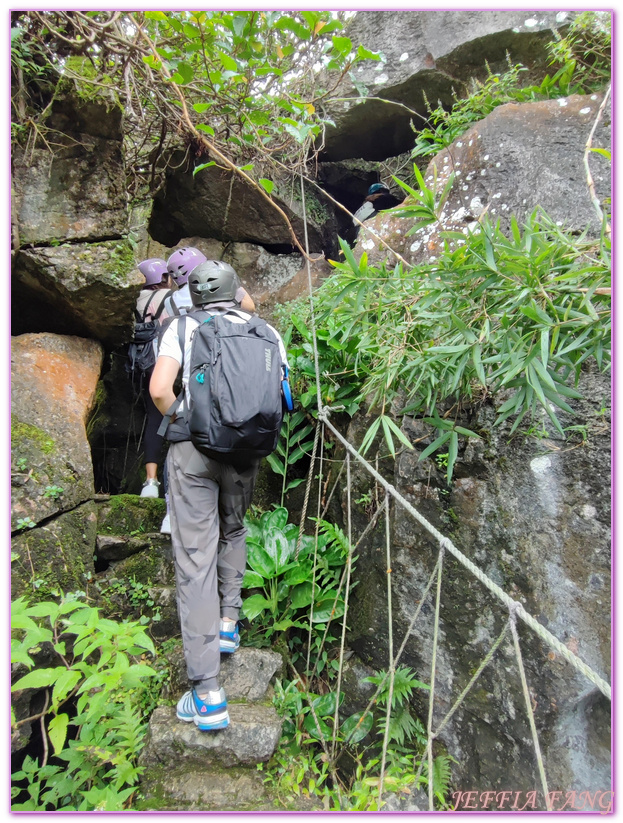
x: 207, y: 714
x: 229, y: 640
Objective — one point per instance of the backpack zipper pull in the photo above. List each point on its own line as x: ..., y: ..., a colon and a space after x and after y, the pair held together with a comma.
x: 200, y: 378
x: 217, y: 352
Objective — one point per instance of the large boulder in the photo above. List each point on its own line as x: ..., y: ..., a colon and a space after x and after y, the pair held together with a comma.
x: 56, y: 556
x: 428, y: 55
x: 215, y: 203
x: 520, y: 156
x: 533, y: 513
x: 75, y: 190
x: 53, y: 381
x: 88, y: 289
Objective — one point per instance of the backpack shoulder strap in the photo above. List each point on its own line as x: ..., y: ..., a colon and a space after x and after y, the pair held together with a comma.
x: 166, y: 418
x: 146, y: 309
x: 160, y: 308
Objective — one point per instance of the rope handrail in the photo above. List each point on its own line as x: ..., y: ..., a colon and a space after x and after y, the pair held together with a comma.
x: 512, y: 605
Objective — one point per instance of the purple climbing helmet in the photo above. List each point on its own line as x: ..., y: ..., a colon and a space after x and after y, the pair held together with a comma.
x: 182, y: 262
x: 153, y: 270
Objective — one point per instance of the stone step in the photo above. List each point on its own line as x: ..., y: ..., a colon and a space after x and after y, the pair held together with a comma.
x: 245, y: 675
x: 251, y: 737
x: 193, y: 789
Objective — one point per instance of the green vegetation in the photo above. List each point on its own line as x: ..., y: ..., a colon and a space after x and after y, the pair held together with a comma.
x: 252, y: 85
x: 282, y: 585
x: 94, y: 711
x: 518, y: 313
x: 303, y: 764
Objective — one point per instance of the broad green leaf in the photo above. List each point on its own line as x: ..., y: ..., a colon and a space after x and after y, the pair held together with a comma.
x: 202, y: 166
x: 301, y: 595
x: 201, y: 107
x: 57, y: 731
x: 229, y: 64
x: 324, y: 609
x: 355, y: 729
x: 276, y: 519
x: 185, y: 73
x: 341, y: 44
x: 322, y: 730
x: 292, y: 484
x: 275, y: 464
x: 324, y: 706
x: 277, y: 546
x: 254, y: 606
x: 267, y: 184
x: 259, y: 560
x: 207, y: 130
x: 38, y: 679
x: 252, y: 580
x: 63, y: 686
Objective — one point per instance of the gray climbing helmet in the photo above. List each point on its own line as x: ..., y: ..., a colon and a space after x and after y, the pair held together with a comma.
x: 212, y: 282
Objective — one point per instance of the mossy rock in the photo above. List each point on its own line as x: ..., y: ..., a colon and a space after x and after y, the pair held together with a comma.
x: 150, y: 567
x: 130, y: 514
x: 55, y: 557
x: 45, y: 478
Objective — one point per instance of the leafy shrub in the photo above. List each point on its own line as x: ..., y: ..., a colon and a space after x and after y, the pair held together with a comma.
x: 518, y: 312
x: 95, y: 702
x: 280, y: 584
x: 307, y: 760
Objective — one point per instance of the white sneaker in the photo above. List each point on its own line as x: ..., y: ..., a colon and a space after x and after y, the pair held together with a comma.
x: 151, y: 488
x: 166, y: 525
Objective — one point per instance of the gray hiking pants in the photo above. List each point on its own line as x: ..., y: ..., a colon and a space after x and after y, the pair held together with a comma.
x: 207, y: 501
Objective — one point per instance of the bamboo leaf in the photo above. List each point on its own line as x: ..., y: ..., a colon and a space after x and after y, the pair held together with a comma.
x: 436, y: 444
x: 453, y: 449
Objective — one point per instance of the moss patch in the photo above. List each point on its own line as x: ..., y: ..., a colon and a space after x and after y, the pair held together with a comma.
x: 131, y: 514
x: 21, y: 432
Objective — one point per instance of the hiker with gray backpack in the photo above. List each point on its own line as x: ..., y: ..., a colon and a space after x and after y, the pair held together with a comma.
x: 226, y: 418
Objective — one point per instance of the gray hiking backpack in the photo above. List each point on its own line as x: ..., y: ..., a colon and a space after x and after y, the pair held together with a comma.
x: 235, y: 387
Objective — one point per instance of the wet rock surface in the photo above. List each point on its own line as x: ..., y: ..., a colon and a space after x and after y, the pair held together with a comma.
x: 245, y: 675
x: 544, y: 538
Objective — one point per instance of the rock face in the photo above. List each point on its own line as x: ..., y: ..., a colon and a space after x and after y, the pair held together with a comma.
x: 53, y: 383
x: 218, y: 205
x: 73, y: 269
x: 87, y: 288
x: 544, y: 537
x: 426, y: 53
x: 519, y: 157
x: 77, y: 191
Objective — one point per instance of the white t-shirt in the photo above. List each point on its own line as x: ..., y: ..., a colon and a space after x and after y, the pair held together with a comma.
x: 170, y: 344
